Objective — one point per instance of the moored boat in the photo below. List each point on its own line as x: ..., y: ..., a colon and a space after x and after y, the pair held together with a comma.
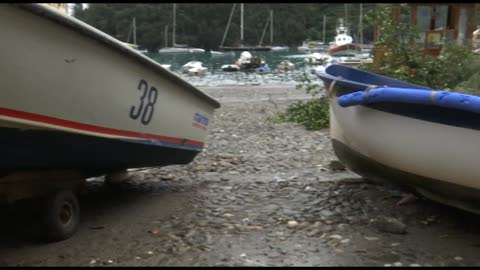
x: 76, y: 99
x: 343, y: 43
x: 317, y: 58
x: 312, y: 46
x: 285, y: 65
x: 390, y: 130
x: 69, y: 65
x: 230, y: 67
x: 194, y: 68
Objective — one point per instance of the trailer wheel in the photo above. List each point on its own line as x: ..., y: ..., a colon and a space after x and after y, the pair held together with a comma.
x: 61, y: 216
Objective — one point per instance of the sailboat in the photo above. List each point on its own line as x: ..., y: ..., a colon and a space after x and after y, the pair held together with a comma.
x: 242, y: 47
x: 177, y: 48
x: 311, y: 46
x: 273, y: 47
x: 134, y: 44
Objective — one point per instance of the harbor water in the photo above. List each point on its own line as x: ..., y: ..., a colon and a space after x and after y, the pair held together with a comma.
x: 216, y: 77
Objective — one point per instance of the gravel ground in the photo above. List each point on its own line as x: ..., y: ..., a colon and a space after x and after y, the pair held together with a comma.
x: 260, y: 194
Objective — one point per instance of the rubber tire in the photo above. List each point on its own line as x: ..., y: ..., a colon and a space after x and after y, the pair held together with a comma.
x: 54, y: 229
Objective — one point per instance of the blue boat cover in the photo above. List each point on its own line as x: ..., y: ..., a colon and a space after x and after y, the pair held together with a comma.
x: 373, y: 88
x: 452, y: 100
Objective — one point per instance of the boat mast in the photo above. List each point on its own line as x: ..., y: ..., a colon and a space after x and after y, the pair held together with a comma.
x: 346, y: 17
x: 324, y: 23
x: 241, y: 24
x: 166, y: 36
x: 174, y: 20
x: 228, y: 25
x: 271, y: 27
x: 134, y: 32
x: 360, y: 25
x: 263, y: 34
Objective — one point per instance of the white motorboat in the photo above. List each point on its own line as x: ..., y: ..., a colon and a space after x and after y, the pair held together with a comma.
x: 343, y: 43
x: 280, y: 48
x: 317, y: 58
x: 77, y: 102
x: 311, y: 46
x: 285, y: 65
x: 194, y: 68
x: 166, y: 66
x: 230, y: 67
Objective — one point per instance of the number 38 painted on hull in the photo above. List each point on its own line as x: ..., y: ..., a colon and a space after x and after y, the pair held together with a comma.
x: 145, y: 111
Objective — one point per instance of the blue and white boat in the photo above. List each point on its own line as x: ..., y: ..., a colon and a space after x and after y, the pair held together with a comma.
x: 421, y: 138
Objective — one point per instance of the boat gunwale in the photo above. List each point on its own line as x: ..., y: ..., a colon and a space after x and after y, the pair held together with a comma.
x: 327, y: 76
x: 92, y: 32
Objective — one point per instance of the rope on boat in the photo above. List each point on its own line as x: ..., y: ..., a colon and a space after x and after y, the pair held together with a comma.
x: 330, y: 88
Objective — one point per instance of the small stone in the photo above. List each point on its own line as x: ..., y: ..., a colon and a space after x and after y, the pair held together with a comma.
x: 395, y: 244
x: 414, y: 265
x: 292, y: 224
x: 278, y: 233
x: 243, y: 255
x: 110, y: 261
x: 344, y: 241
x: 458, y: 258
x: 397, y: 264
x: 314, y: 232
x: 316, y: 224
x: 154, y: 231
x: 137, y: 258
x: 228, y: 215
x: 168, y: 177
x: 336, y: 236
x: 371, y: 238
x: 149, y: 252
x: 390, y: 225
x: 387, y: 265
x: 303, y: 225
x: 327, y: 214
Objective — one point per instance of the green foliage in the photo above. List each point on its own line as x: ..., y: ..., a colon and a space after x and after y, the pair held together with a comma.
x: 402, y: 61
x: 472, y: 84
x: 313, y: 114
x: 203, y: 24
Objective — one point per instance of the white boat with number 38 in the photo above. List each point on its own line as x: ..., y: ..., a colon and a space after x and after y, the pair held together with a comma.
x: 74, y: 98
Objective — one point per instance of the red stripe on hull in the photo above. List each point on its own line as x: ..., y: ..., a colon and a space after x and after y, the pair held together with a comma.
x: 92, y: 128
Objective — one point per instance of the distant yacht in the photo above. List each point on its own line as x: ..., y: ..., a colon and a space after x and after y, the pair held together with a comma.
x: 280, y: 48
x: 134, y: 45
x: 343, y: 45
x: 177, y: 48
x: 312, y: 46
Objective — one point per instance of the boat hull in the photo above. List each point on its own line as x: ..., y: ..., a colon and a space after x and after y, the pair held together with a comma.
x: 422, y: 147
x: 50, y: 149
x: 351, y: 47
x: 61, y: 76
x: 246, y: 48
